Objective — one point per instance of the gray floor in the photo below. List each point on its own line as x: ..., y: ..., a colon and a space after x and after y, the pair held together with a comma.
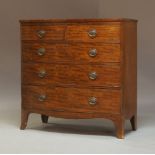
x: 70, y: 136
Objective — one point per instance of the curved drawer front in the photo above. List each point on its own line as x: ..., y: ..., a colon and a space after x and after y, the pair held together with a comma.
x: 93, y: 75
x: 72, y: 99
x: 94, y: 33
x: 53, y: 32
x: 79, y: 53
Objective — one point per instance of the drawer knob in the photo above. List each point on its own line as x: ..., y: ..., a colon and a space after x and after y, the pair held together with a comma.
x: 92, y: 33
x: 42, y: 74
x: 41, y: 33
x: 41, y: 51
x: 42, y: 98
x: 93, y: 75
x: 92, y: 100
x: 92, y: 52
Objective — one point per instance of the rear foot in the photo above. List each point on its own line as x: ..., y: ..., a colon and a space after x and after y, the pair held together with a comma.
x: 133, y: 122
x: 44, y: 118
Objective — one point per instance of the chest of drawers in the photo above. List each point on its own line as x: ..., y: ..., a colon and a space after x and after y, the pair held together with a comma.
x: 78, y: 69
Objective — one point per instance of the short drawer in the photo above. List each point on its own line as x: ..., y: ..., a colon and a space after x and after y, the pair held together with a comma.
x: 78, y: 53
x: 39, y: 32
x: 51, y: 74
x: 72, y: 99
x: 108, y: 33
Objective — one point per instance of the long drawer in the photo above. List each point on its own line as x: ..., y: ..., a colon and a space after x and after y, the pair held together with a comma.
x: 72, y: 99
x: 79, y: 53
x: 51, y: 74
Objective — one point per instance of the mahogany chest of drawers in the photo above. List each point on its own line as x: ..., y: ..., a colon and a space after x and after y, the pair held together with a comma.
x: 82, y: 68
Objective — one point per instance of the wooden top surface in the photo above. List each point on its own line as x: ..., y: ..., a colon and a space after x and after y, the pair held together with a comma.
x: 79, y: 20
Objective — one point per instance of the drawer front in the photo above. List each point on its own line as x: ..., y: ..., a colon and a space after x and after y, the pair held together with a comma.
x: 93, y: 75
x: 72, y: 99
x: 109, y: 33
x: 55, y: 32
x: 78, y: 53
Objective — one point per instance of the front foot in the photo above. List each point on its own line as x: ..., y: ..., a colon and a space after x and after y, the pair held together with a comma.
x: 119, y: 125
x: 24, y: 119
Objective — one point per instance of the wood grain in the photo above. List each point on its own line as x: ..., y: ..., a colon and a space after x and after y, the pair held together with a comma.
x: 129, y: 40
x: 107, y: 75
x: 71, y: 52
x: 53, y: 32
x: 72, y: 99
x: 105, y: 33
x: 77, y: 21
